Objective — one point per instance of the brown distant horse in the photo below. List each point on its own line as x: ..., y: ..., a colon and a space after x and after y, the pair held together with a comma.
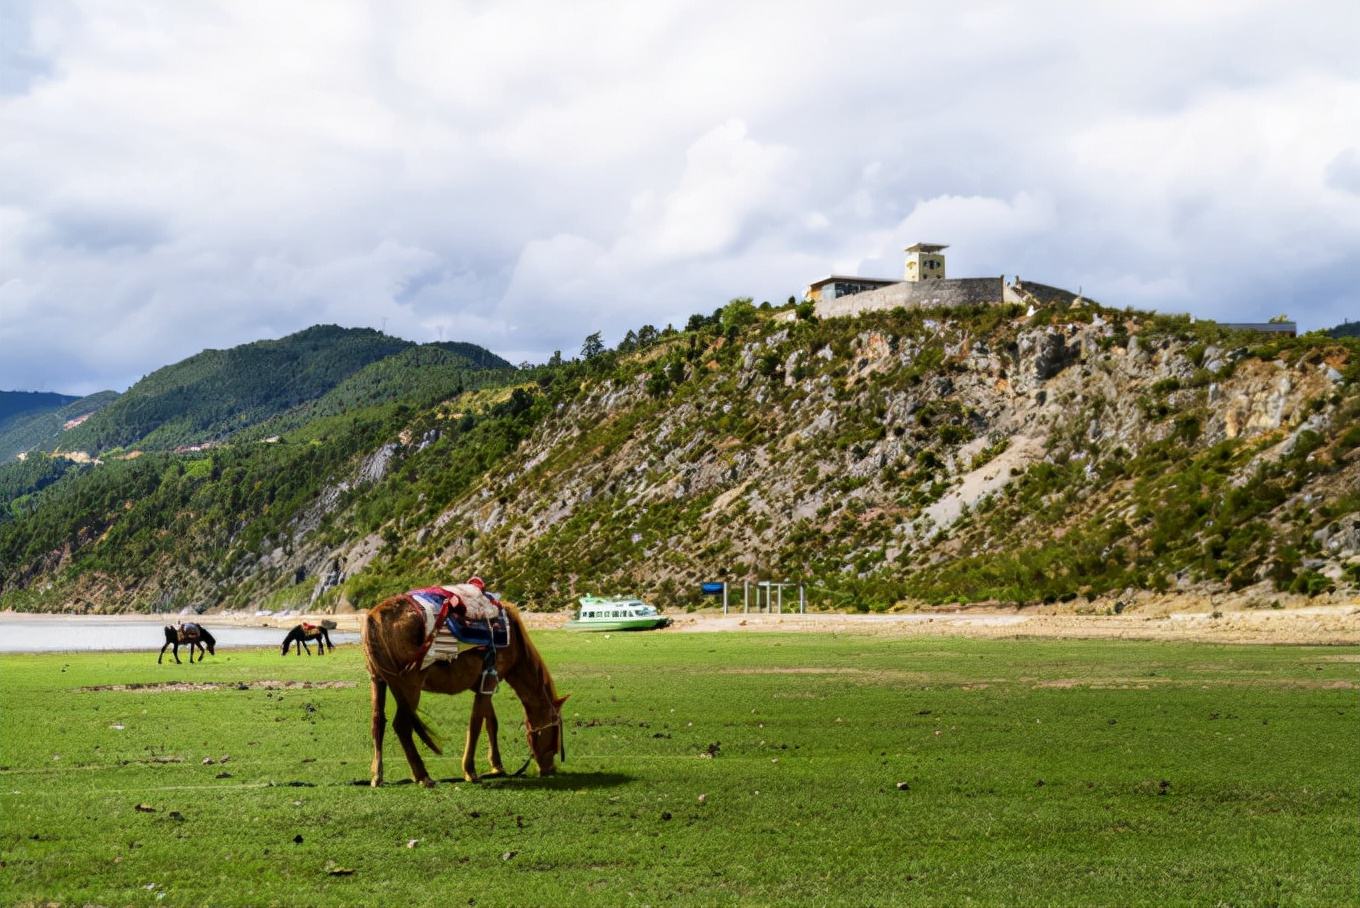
x: 195, y: 635
x: 393, y: 637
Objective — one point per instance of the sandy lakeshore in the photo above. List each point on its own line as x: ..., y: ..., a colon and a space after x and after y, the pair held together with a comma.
x: 1327, y: 620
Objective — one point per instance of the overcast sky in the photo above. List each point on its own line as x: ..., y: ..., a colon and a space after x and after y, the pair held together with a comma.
x: 175, y: 175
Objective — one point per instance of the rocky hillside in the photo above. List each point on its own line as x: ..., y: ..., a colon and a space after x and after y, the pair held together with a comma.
x: 980, y: 454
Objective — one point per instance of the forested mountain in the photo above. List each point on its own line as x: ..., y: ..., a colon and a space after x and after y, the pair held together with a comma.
x: 476, y: 357
x: 42, y: 428
x: 1346, y: 329
x: 213, y: 395
x: 925, y: 456
x: 418, y: 376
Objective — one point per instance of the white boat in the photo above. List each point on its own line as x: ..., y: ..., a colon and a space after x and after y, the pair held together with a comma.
x: 602, y: 613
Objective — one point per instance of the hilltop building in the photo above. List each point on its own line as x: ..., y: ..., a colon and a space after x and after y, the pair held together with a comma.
x: 925, y: 262
x: 924, y: 285
x: 837, y: 285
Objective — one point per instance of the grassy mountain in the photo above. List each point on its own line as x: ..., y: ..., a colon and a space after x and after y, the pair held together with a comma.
x: 901, y: 457
x: 216, y: 393
x: 1345, y: 329
x: 41, y: 428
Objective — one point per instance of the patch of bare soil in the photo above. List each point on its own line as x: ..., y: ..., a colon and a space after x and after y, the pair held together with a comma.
x: 1334, y: 622
x: 1147, y: 683
x: 875, y: 674
x: 183, y: 687
x: 794, y: 670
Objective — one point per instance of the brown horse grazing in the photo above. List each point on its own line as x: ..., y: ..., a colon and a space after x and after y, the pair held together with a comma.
x: 394, y: 637
x: 301, y: 633
x: 195, y: 635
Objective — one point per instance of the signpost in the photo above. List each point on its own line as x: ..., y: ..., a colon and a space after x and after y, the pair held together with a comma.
x: 714, y: 588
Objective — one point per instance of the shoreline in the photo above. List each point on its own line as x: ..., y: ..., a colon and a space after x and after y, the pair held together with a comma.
x: 1335, y: 623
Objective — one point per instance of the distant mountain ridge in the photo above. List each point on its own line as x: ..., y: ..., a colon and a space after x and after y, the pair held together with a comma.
x: 40, y: 428
x: 216, y: 393
x: 16, y: 403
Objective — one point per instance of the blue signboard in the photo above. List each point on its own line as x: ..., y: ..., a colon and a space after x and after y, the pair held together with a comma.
x: 712, y: 589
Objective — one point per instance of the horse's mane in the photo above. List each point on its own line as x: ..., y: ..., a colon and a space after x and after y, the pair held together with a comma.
x: 536, y: 663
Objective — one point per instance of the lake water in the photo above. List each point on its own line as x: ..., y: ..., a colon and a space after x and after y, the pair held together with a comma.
x: 48, y: 635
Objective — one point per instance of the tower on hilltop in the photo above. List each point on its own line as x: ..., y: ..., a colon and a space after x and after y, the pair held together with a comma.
x: 925, y: 262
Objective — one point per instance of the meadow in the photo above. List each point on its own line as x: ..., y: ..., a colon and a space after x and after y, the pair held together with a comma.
x: 703, y: 769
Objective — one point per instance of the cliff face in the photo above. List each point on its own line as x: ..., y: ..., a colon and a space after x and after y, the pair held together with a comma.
x: 973, y: 454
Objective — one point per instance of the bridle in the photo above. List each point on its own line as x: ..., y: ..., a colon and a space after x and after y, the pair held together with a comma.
x: 555, y: 722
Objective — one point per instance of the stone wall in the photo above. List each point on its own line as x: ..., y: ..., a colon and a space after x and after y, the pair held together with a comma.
x: 1025, y: 292
x: 966, y: 291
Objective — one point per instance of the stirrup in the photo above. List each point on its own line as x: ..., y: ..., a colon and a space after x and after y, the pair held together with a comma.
x: 490, y: 680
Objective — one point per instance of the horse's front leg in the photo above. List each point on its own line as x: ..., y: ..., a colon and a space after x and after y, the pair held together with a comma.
x: 493, y: 738
x: 303, y: 641
x: 175, y: 652
x: 475, y: 722
x: 379, y: 697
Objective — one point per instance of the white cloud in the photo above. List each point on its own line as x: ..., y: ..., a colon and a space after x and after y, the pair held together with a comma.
x: 179, y: 176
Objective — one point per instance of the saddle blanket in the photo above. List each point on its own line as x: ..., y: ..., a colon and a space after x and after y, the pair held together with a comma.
x: 188, y: 633
x: 459, y: 603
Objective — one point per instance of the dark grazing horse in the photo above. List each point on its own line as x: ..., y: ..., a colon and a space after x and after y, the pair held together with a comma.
x: 196, y: 636
x: 300, y: 634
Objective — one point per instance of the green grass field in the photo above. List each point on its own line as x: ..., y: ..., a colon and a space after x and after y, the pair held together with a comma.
x: 1038, y: 772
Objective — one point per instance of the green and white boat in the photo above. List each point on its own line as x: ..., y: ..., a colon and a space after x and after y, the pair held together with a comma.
x: 602, y: 613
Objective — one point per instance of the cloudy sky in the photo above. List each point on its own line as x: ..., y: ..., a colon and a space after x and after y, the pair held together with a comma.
x: 175, y: 176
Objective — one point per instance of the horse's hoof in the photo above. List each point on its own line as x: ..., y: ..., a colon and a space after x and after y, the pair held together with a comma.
x: 496, y: 772
x: 428, y: 782
x: 375, y: 783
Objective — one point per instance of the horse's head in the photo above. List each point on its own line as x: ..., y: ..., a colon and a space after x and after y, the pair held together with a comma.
x: 211, y: 644
x: 549, y: 740
x: 286, y: 642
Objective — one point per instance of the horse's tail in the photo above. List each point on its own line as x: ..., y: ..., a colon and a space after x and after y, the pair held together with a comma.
x: 382, y: 667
